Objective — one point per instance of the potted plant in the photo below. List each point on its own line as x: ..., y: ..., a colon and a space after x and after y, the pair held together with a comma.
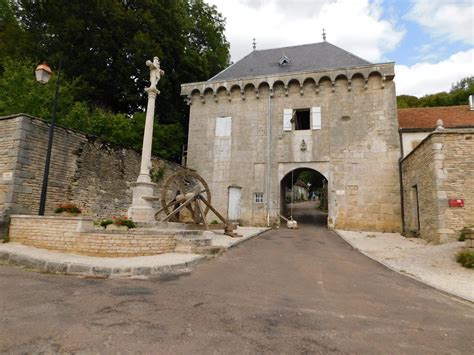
x: 122, y: 223
x: 68, y: 209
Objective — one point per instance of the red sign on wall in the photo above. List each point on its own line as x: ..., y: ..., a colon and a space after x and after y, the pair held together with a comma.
x: 456, y: 203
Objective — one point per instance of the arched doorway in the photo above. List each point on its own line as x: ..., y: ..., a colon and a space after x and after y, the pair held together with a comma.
x: 302, y: 192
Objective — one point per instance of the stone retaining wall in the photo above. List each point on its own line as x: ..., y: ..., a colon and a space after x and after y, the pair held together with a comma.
x: 91, y: 173
x: 78, y: 235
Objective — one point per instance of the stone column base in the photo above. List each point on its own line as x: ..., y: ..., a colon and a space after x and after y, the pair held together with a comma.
x: 142, y: 210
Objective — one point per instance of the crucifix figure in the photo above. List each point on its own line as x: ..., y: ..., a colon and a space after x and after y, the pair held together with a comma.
x: 155, y: 71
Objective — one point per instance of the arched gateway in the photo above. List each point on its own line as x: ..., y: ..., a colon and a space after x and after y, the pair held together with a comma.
x: 322, y: 109
x: 300, y: 185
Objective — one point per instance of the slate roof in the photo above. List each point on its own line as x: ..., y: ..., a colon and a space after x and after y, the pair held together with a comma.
x: 426, y: 117
x: 307, y: 57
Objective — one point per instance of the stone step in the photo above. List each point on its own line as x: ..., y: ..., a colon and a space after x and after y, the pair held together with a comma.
x: 194, y: 241
x: 233, y: 234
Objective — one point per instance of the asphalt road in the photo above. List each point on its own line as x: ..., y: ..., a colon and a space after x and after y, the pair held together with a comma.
x: 303, y: 291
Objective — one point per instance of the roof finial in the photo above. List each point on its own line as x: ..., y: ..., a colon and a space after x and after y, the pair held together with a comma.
x: 439, y: 125
x: 254, y: 44
x: 324, y: 35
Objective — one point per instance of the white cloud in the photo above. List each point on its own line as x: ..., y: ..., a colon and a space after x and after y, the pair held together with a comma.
x: 425, y: 78
x: 449, y: 20
x: 355, y: 25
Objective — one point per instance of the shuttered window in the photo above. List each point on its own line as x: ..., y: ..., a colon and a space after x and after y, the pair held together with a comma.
x: 316, y: 117
x: 287, y: 116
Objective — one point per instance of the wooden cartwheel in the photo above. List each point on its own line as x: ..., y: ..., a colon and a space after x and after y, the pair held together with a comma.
x: 186, y: 191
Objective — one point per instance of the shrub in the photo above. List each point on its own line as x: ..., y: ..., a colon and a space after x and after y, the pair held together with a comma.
x: 466, y: 258
x: 68, y: 207
x: 157, y: 175
x: 119, y: 221
x: 124, y: 221
x: 214, y: 221
x: 106, y: 222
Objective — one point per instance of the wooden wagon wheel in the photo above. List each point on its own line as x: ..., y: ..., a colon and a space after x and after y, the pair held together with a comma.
x: 181, y: 186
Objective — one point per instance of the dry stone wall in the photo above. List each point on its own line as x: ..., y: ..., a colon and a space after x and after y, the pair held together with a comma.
x: 91, y: 173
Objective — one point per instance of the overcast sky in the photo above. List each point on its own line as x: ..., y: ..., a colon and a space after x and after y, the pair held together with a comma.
x: 431, y: 41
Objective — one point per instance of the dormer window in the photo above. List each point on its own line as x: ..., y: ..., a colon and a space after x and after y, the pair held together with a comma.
x: 284, y: 60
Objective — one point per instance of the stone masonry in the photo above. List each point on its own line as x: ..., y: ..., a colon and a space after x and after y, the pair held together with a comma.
x: 89, y: 172
x: 77, y: 235
x: 440, y: 168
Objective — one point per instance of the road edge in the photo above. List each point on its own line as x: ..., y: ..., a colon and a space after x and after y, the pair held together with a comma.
x: 398, y: 271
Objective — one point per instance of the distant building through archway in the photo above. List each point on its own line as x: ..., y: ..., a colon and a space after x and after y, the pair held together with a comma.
x: 293, y: 186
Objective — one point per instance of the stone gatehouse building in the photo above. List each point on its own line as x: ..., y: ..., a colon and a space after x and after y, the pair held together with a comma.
x: 310, y: 107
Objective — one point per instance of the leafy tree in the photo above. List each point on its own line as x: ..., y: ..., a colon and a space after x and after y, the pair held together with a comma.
x: 22, y: 93
x: 404, y: 101
x: 14, y: 41
x: 103, y: 46
x: 458, y: 95
x: 107, y: 42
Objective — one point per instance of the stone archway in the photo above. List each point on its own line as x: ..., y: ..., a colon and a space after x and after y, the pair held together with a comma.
x: 306, y: 185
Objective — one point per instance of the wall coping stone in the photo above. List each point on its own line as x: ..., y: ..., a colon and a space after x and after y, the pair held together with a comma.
x: 434, y: 132
x: 62, y: 218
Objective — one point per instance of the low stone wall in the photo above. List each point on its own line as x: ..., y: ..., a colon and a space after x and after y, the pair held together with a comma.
x: 78, y: 235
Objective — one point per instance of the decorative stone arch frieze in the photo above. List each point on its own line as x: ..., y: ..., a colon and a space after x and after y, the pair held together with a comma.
x: 385, y: 71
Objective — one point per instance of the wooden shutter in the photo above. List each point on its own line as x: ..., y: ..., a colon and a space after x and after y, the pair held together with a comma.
x: 223, y: 126
x: 287, y: 116
x: 316, y: 117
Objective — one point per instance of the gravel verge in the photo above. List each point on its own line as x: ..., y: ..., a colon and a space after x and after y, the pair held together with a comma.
x: 434, y: 265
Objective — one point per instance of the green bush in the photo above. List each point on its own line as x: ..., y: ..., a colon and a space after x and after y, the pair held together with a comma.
x: 157, y: 175
x: 119, y: 221
x: 68, y: 207
x: 466, y: 258
x: 106, y: 222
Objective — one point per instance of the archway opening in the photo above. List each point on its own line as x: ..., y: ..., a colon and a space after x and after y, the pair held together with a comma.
x: 304, y: 196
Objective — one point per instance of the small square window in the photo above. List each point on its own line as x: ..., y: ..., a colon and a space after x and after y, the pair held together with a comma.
x: 302, y: 120
x: 258, y: 197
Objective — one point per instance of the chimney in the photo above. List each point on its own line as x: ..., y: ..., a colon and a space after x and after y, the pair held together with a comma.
x: 471, y: 102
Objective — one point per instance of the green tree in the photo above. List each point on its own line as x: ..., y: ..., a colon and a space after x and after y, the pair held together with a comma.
x: 21, y: 93
x: 404, y: 101
x: 107, y: 42
x: 103, y: 46
x: 14, y: 40
x: 458, y: 95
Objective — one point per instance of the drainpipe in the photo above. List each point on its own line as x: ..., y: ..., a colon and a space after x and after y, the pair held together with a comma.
x: 269, y: 156
x: 400, y: 174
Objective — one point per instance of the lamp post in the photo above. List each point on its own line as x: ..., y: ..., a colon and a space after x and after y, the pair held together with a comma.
x: 43, y: 74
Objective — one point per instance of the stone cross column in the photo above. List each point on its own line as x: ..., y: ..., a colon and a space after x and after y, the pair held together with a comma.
x: 155, y: 75
x: 143, y: 190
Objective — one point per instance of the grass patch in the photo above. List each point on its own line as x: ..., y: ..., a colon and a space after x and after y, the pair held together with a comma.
x: 466, y: 258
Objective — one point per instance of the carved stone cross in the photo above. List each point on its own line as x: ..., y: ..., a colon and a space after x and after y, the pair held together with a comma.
x: 155, y: 72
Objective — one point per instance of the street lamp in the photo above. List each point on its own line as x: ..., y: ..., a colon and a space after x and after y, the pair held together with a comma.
x: 43, y: 74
